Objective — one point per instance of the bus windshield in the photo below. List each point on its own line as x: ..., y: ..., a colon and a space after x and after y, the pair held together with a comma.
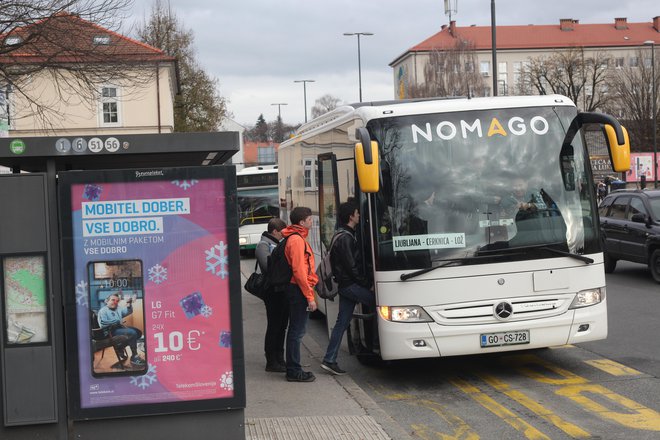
x: 257, y: 205
x: 482, y: 184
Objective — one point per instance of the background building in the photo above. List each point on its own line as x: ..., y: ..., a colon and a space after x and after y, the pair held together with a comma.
x: 617, y: 44
x: 601, y: 67
x: 91, y: 81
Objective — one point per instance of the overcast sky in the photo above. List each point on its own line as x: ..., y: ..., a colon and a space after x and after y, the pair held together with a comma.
x: 257, y: 48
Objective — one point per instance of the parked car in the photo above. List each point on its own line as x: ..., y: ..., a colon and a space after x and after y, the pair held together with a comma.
x: 630, y: 228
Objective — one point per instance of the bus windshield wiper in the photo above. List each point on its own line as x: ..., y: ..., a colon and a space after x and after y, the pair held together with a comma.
x: 542, y: 247
x: 568, y: 254
x: 448, y: 262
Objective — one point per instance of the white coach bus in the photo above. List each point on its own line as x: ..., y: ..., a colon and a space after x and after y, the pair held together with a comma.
x: 479, y: 220
x: 257, y: 203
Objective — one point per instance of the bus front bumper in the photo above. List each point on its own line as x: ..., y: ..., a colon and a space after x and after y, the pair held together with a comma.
x: 429, y: 339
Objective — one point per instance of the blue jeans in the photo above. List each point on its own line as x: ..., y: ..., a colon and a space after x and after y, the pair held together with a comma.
x: 133, y: 336
x: 348, y: 298
x: 298, y: 316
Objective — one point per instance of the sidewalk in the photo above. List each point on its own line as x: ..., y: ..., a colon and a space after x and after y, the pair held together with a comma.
x: 332, y: 407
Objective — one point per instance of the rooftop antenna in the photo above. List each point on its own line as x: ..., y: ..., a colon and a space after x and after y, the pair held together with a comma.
x: 451, y: 7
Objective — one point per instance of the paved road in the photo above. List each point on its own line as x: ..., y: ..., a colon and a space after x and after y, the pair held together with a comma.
x: 599, y: 390
x: 606, y: 389
x: 634, y: 319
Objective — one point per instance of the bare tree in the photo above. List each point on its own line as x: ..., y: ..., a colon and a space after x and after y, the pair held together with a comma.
x: 631, y: 88
x: 60, y: 41
x: 199, y: 107
x: 324, y: 104
x: 570, y: 73
x: 450, y: 72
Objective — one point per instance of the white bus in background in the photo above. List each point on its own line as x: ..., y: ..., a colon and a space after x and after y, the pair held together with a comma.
x: 257, y: 203
x: 454, y: 272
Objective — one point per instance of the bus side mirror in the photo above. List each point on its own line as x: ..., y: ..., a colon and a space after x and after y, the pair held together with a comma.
x: 366, y: 161
x: 619, y: 153
x: 618, y: 143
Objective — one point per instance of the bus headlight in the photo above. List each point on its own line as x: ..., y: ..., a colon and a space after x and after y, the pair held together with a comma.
x: 404, y: 314
x: 242, y: 240
x: 589, y: 297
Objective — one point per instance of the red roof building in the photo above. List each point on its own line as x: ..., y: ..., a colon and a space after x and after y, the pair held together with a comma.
x: 126, y: 87
x: 516, y: 44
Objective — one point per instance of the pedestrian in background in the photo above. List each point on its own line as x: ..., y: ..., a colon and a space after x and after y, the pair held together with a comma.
x: 300, y: 291
x: 277, y: 307
x: 354, y: 285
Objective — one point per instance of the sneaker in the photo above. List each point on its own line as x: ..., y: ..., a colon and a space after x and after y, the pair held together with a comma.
x: 137, y: 361
x: 333, y: 368
x: 303, y: 376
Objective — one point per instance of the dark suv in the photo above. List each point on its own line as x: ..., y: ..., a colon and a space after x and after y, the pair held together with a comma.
x: 630, y: 228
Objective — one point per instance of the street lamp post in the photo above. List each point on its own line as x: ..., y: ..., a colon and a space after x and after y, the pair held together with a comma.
x: 304, y: 81
x: 358, y: 34
x: 655, y: 122
x: 279, y: 108
x: 493, y: 36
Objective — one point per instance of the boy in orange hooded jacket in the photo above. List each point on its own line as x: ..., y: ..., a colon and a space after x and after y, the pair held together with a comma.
x: 300, y: 291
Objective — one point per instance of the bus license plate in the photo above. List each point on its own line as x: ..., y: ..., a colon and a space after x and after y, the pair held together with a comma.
x: 505, y: 338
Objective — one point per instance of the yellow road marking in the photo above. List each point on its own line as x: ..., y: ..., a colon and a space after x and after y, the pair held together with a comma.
x: 635, y: 415
x: 613, y: 368
x: 524, y: 363
x: 638, y: 416
x: 422, y: 431
x: 500, y: 411
x: 462, y: 431
x: 569, y: 428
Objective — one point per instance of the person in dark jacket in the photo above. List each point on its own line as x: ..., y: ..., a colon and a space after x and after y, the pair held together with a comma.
x: 354, y: 286
x: 277, y: 307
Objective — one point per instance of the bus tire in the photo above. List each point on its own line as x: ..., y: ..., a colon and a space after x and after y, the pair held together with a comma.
x: 370, y: 359
x: 609, y: 262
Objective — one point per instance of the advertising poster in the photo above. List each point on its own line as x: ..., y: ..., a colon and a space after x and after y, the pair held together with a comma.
x: 25, y: 299
x: 641, y: 164
x: 152, y: 288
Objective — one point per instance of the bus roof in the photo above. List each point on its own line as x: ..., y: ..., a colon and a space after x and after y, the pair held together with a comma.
x: 366, y: 111
x: 260, y: 169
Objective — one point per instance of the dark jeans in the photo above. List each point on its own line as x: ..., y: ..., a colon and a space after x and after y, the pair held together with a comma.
x: 348, y: 298
x: 133, y: 336
x: 298, y: 316
x: 277, y: 315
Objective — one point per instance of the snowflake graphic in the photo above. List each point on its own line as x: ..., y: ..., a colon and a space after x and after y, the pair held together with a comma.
x: 146, y: 380
x: 185, y: 184
x: 206, y: 311
x: 81, y: 294
x: 227, y: 381
x: 157, y: 274
x: 216, y: 256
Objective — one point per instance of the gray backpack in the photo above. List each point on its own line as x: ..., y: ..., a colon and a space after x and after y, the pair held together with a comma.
x: 327, y: 287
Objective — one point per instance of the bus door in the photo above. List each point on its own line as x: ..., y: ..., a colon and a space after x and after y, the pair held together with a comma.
x: 328, y: 204
x: 337, y: 182
x: 328, y: 198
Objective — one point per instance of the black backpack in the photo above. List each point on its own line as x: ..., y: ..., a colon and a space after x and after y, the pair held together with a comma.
x: 278, y: 270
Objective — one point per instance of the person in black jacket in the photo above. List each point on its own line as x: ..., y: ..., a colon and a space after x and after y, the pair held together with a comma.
x: 354, y: 286
x: 277, y: 307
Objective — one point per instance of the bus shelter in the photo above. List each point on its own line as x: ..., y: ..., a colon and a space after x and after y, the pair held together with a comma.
x: 120, y: 311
